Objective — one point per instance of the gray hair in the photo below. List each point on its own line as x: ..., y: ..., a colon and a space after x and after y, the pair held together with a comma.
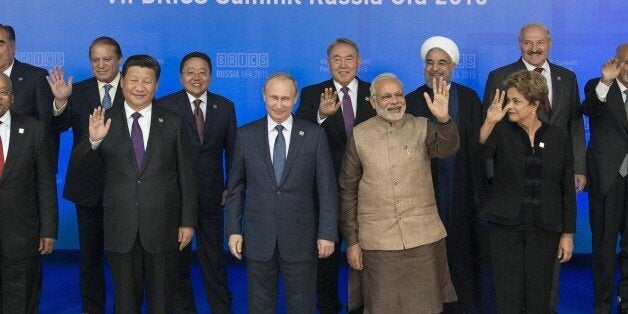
x: 383, y: 77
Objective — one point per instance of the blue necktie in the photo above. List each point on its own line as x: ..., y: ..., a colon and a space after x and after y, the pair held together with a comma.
x: 106, y: 100
x: 279, y: 153
x: 137, y: 138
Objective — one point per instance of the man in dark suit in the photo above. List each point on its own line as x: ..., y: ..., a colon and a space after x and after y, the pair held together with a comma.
x: 72, y: 106
x: 562, y: 108
x: 31, y: 93
x: 282, y: 170
x: 606, y: 105
x: 149, y: 192
x: 456, y: 178
x: 211, y: 124
x: 320, y: 104
x: 28, y: 205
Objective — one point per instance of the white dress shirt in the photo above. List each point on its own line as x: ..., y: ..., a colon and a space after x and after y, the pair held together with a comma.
x: 602, y: 90
x: 144, y: 120
x: 353, y: 94
x: 5, y: 132
x: 101, y: 94
x: 203, y: 104
x: 272, y: 134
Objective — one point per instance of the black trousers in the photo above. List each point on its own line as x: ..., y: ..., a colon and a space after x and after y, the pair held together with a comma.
x: 213, y: 263
x: 327, y: 283
x: 299, y: 279
x: 138, y: 271
x: 607, y: 215
x: 20, y: 284
x: 523, y: 267
x: 91, y: 260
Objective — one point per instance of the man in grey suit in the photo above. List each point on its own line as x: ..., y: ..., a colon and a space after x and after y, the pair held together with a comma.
x: 605, y: 103
x: 149, y: 189
x: 562, y: 108
x: 282, y: 170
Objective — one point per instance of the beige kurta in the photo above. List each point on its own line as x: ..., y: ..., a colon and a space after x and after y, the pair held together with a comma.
x: 386, y: 194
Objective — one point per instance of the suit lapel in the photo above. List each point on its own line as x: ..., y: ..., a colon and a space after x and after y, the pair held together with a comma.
x: 363, y: 106
x: 296, y: 138
x: 210, y: 113
x: 337, y: 119
x: 185, y: 108
x: 261, y: 138
x: 93, y: 95
x: 17, y: 78
x: 120, y: 128
x: 15, y: 144
x: 157, y: 123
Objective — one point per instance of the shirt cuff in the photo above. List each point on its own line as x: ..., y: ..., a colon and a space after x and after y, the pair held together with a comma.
x: 601, y: 90
x: 58, y: 112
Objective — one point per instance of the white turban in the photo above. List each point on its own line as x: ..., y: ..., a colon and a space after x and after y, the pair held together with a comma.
x: 444, y: 43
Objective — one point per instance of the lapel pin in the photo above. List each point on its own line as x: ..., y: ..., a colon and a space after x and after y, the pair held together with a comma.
x: 214, y: 106
x: 20, y: 79
x: 559, y: 78
x: 161, y: 120
x: 366, y: 98
x: 301, y: 133
x: 541, y: 144
x: 20, y: 130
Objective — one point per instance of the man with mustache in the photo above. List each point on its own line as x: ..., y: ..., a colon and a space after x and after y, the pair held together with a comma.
x: 605, y: 102
x: 562, y: 107
x: 457, y: 198
x: 394, y: 235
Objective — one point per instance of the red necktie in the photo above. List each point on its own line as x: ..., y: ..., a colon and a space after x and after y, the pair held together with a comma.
x: 1, y: 156
x: 548, y: 107
x: 200, y: 121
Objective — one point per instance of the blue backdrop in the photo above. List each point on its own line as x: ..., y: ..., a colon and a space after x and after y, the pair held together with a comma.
x: 249, y: 39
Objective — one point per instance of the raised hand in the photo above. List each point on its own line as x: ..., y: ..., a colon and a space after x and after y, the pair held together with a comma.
x: 328, y: 105
x: 610, y: 70
x: 495, y: 112
x: 60, y: 88
x: 440, y: 105
x: 98, y: 128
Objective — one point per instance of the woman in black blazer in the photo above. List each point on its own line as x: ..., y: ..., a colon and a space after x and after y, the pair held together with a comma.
x: 531, y: 208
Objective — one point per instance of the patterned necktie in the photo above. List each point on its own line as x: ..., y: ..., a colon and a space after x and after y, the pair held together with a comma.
x: 548, y: 106
x: 347, y: 110
x: 279, y: 153
x: 106, y: 100
x: 200, y: 121
x: 1, y: 156
x: 137, y: 138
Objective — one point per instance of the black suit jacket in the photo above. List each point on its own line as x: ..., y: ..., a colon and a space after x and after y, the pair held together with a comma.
x: 217, y: 147
x: 566, y: 111
x: 609, y: 136
x: 334, y: 125
x: 469, y: 184
x: 152, y: 201
x: 28, y: 190
x: 33, y: 98
x: 293, y: 214
x: 82, y: 190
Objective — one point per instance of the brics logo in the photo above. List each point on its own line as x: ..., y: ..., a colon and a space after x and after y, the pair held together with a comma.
x: 242, y: 60
x: 42, y: 59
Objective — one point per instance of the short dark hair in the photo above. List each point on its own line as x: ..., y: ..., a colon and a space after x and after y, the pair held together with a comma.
x: 9, y: 30
x: 531, y: 84
x: 143, y: 61
x: 342, y: 40
x: 196, y: 54
x: 105, y: 40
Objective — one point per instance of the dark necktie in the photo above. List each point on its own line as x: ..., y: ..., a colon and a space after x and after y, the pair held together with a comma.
x: 1, y: 156
x: 137, y: 138
x: 106, y: 100
x: 279, y: 153
x: 200, y: 121
x: 623, y: 169
x: 548, y: 106
x: 347, y: 110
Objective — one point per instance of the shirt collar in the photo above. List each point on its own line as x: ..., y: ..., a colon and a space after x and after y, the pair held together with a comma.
x: 114, y: 83
x: 286, y: 124
x: 531, y: 67
x: 203, y: 97
x: 353, y: 85
x: 9, y: 69
x: 6, y: 118
x: 144, y: 112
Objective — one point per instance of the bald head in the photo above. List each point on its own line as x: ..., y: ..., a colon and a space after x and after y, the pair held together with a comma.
x: 6, y: 95
x: 622, y: 57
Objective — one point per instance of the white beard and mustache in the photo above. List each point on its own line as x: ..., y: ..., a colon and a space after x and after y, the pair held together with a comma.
x: 388, y: 115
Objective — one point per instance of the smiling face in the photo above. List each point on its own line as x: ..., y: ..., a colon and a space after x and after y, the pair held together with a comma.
x: 138, y: 87
x: 7, y: 50
x: 6, y: 97
x: 280, y: 96
x: 195, y: 76
x: 534, y: 43
x: 389, y: 100
x: 343, y: 63
x: 105, y: 62
x: 437, y: 64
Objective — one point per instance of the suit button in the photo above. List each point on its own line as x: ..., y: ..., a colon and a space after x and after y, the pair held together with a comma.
x: 137, y: 204
x: 278, y: 192
x: 139, y: 182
